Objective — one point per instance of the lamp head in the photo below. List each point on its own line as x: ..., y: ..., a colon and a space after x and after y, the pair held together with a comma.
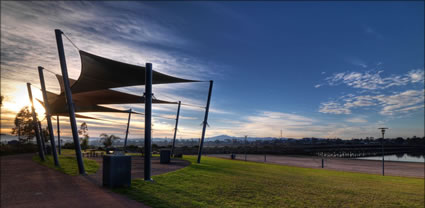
x: 383, y: 129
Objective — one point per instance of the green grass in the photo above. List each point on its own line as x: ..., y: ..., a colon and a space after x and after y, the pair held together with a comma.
x: 228, y: 183
x: 68, y: 164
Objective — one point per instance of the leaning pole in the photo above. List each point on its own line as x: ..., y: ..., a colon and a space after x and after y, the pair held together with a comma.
x: 126, y: 132
x: 34, y: 119
x: 175, y: 129
x: 148, y: 121
x: 42, y: 136
x: 69, y: 102
x: 201, y: 143
x: 59, y: 134
x: 49, y: 121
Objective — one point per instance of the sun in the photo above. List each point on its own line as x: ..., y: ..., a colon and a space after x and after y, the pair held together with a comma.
x: 18, y: 98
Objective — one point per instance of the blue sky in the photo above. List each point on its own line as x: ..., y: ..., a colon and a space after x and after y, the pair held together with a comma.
x: 323, y: 69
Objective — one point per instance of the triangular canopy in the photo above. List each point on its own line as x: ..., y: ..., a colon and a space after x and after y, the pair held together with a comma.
x: 60, y: 108
x: 98, y: 73
x: 100, y: 96
x: 89, y: 101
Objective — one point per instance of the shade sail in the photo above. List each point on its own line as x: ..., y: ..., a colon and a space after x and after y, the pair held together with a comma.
x: 60, y: 108
x: 99, y: 73
x: 101, y: 96
x: 89, y: 102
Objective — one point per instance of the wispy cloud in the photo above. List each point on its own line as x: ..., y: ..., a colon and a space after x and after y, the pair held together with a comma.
x: 333, y: 108
x: 372, y: 80
x: 397, y: 103
x: 297, y: 126
x: 356, y: 120
x: 131, y: 35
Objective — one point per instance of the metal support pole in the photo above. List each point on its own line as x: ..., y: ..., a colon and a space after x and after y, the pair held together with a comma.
x: 36, y: 129
x: 201, y: 143
x: 175, y: 129
x: 265, y: 157
x: 148, y: 121
x: 59, y: 135
x: 128, y: 126
x: 49, y: 121
x: 42, y: 136
x: 69, y: 102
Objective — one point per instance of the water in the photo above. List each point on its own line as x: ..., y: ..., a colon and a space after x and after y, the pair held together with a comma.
x: 397, y: 158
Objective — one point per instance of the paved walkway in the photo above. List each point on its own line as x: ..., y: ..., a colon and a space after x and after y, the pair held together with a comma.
x: 407, y: 169
x: 25, y: 183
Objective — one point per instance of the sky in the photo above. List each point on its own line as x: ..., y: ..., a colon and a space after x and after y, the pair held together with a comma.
x: 322, y: 69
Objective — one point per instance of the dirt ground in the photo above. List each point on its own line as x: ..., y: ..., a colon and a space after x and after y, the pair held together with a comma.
x: 408, y: 169
x: 25, y: 183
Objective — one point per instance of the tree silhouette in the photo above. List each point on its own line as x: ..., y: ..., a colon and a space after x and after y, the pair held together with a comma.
x: 24, y: 125
x: 107, y: 140
x: 84, y: 131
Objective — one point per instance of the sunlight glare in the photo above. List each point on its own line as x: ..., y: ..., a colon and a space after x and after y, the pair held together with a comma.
x: 18, y: 99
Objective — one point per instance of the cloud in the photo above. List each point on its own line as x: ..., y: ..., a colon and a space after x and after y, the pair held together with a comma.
x: 131, y: 35
x: 402, y: 102
x: 333, y: 108
x: 356, y: 120
x: 296, y: 126
x: 372, y: 80
x: 265, y: 123
x: 397, y: 103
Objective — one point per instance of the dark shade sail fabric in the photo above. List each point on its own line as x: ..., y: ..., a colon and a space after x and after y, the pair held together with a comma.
x: 101, y: 96
x: 90, y: 101
x: 98, y: 73
x: 60, y: 108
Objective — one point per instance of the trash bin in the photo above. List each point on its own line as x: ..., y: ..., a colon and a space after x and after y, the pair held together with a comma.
x: 48, y: 150
x: 116, y: 170
x: 165, y: 156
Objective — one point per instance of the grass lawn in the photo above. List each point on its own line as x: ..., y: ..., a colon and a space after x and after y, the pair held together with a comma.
x: 229, y: 183
x: 68, y: 164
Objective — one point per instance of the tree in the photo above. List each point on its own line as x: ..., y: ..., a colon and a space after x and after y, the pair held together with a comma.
x: 24, y: 125
x: 84, y: 131
x: 107, y: 140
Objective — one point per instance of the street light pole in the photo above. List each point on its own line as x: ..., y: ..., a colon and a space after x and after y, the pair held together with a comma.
x: 245, y: 146
x: 382, y: 143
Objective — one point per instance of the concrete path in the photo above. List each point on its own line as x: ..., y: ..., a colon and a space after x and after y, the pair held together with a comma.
x: 25, y: 183
x: 407, y: 169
